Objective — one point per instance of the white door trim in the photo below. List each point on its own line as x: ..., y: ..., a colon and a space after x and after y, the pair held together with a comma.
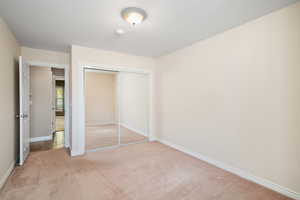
x: 81, y: 101
x: 66, y: 67
x: 42, y: 138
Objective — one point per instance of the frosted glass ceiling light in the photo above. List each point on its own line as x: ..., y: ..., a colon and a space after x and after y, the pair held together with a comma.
x: 133, y: 15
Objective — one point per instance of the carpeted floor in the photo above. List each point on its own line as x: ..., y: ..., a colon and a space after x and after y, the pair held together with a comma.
x: 147, y: 171
x: 107, y: 135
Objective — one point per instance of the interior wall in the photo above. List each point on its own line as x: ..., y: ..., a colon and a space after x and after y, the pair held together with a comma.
x: 134, y: 101
x: 45, y: 56
x: 88, y: 56
x: 40, y: 101
x: 100, y: 98
x: 9, y: 52
x: 235, y: 97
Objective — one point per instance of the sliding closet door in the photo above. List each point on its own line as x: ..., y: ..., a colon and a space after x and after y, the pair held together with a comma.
x: 134, y: 107
x: 101, y: 114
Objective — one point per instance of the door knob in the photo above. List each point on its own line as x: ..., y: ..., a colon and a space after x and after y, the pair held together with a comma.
x: 22, y: 116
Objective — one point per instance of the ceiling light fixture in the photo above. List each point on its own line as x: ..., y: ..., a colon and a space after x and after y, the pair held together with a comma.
x: 133, y: 15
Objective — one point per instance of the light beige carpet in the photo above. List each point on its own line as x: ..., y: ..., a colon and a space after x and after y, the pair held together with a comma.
x: 147, y: 171
x: 107, y: 135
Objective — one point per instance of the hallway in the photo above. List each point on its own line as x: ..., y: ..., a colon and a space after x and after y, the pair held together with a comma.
x: 58, y: 140
x: 56, y: 143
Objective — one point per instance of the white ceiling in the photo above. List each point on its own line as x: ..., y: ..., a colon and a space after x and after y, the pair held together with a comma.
x: 171, y: 24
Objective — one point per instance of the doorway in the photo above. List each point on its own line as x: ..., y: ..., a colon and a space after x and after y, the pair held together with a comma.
x: 36, y: 106
x: 58, y: 121
x: 116, y: 108
x: 46, y: 108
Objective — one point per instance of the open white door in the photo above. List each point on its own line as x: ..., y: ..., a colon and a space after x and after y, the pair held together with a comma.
x: 24, y: 110
x: 53, y: 124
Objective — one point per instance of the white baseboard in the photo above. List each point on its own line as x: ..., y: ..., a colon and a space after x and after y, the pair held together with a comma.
x: 261, y: 181
x: 39, y: 139
x: 6, y: 174
x: 134, y: 130
x: 76, y: 153
x: 100, y: 123
x: 153, y: 139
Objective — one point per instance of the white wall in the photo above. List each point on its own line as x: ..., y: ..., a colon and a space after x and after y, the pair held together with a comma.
x: 87, y: 56
x: 41, y: 101
x: 235, y: 97
x: 45, y: 56
x: 100, y: 98
x: 9, y: 52
x: 134, y: 101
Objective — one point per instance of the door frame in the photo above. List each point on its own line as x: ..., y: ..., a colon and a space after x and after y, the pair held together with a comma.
x: 66, y: 97
x: 81, y: 84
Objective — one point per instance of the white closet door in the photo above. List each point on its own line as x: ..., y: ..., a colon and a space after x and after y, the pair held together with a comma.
x: 101, y: 112
x: 134, y: 107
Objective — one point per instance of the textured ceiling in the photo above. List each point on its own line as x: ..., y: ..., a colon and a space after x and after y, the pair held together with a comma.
x: 171, y: 24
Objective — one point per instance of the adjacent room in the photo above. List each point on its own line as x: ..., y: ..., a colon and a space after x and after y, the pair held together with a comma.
x: 150, y: 100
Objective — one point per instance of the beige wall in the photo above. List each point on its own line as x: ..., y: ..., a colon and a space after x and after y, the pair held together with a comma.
x: 134, y: 101
x: 40, y: 101
x: 81, y: 56
x: 45, y: 56
x: 9, y: 52
x: 235, y: 97
x: 100, y: 98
